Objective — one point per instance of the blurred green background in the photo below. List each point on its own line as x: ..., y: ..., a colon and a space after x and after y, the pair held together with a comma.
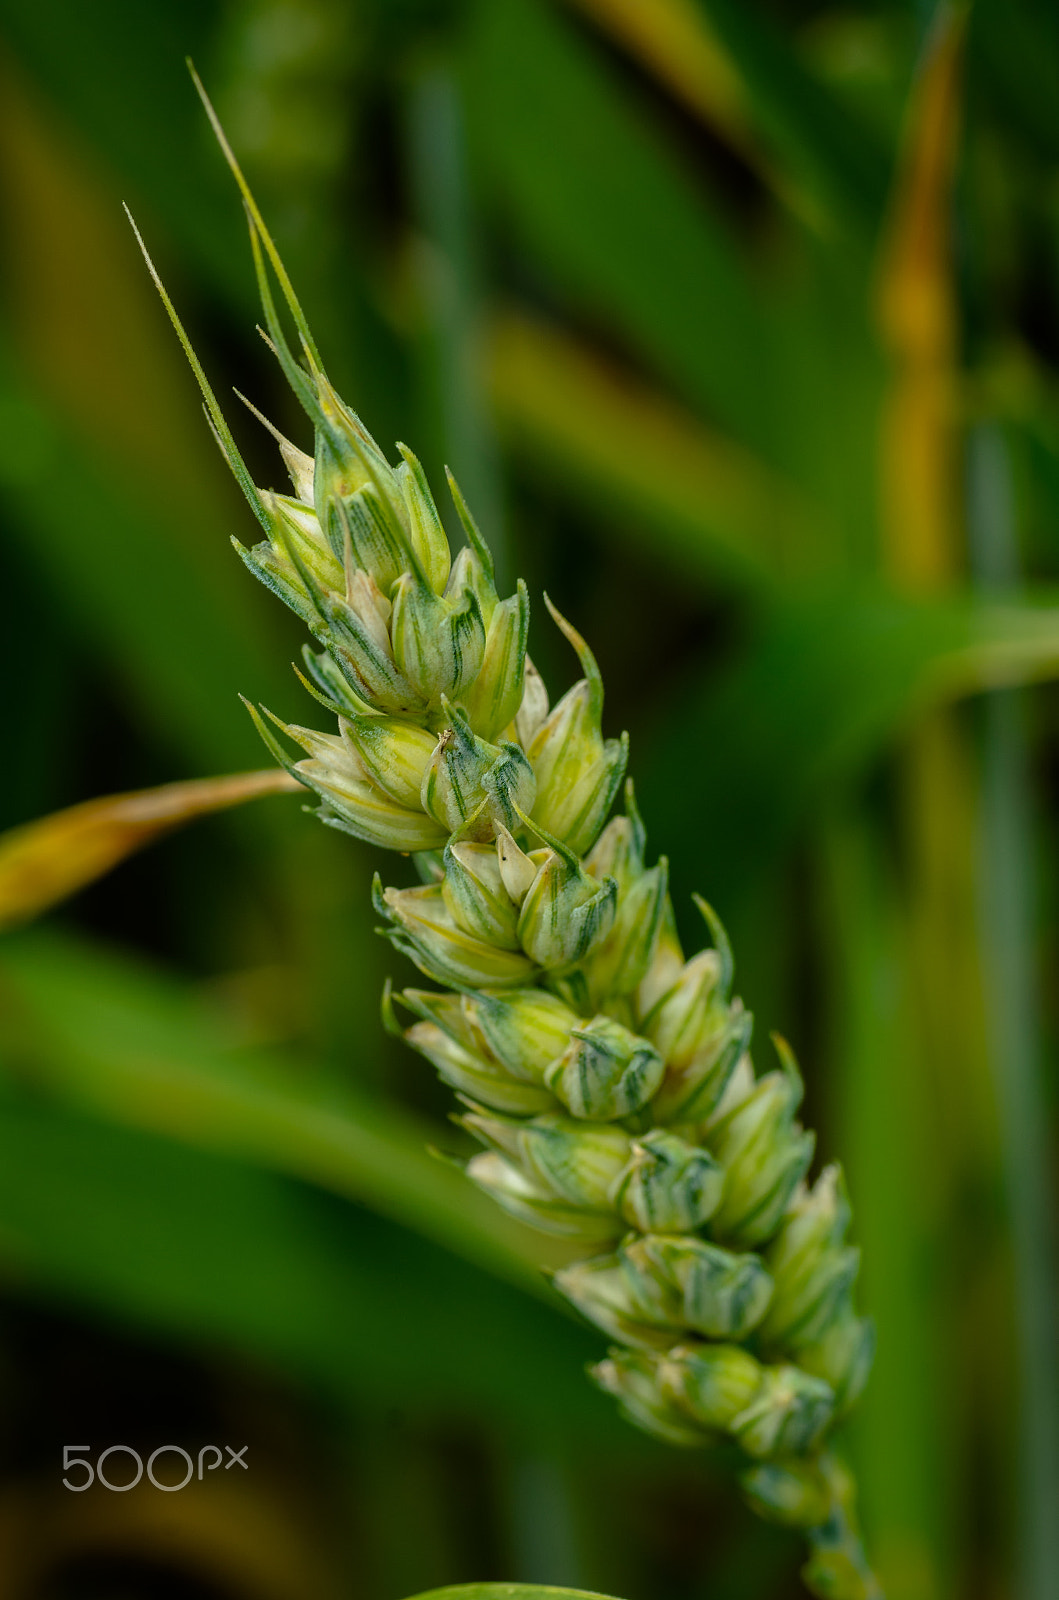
x: 739, y: 323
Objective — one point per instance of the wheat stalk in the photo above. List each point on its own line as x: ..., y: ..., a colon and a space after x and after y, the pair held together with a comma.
x: 608, y: 1078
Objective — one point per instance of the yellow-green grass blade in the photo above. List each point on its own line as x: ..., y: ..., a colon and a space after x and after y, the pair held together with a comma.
x: 192, y: 1248
x: 45, y: 861
x: 508, y: 1591
x: 103, y: 1034
x: 641, y: 466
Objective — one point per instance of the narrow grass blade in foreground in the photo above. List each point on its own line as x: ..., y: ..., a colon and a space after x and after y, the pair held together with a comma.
x: 508, y: 1591
x: 49, y: 859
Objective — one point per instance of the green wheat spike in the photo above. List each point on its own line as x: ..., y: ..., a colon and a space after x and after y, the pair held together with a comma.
x: 608, y: 1078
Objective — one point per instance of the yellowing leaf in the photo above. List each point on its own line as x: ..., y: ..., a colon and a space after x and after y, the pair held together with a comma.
x: 673, y: 41
x: 43, y: 862
x: 916, y: 310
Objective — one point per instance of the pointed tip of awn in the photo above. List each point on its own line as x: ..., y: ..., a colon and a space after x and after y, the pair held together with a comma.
x: 152, y: 269
x: 215, y: 416
x: 257, y: 220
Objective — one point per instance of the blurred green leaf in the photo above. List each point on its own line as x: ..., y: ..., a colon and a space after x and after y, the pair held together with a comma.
x: 1014, y: 49
x: 116, y: 70
x: 116, y: 493
x: 102, y: 1033
x: 671, y: 40
x: 610, y: 209
x: 809, y: 134
x: 902, y: 1435
x: 194, y: 1247
x: 613, y: 215
x: 821, y: 690
x: 1009, y: 866
x: 86, y: 322
x: 633, y: 457
x: 116, y: 568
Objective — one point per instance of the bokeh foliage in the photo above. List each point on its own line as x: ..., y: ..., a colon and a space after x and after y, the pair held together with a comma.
x: 739, y: 324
